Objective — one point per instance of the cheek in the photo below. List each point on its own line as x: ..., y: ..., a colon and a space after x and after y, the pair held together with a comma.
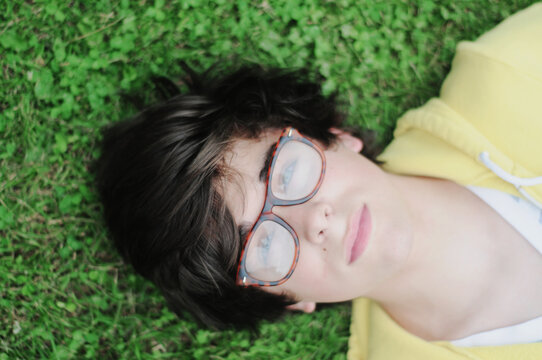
x: 310, y: 275
x: 311, y: 268
x: 347, y: 170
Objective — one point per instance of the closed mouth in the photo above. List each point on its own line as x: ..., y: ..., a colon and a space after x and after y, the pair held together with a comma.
x: 358, y: 236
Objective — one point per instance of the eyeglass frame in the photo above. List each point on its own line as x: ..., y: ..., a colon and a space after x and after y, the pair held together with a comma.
x: 288, y: 134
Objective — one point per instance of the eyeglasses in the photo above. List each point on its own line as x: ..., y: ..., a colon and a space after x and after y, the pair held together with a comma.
x: 271, y: 249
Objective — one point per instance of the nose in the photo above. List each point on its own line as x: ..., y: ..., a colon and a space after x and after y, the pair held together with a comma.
x: 309, y: 220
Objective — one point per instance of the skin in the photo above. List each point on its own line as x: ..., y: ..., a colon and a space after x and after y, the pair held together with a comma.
x: 434, y: 248
x: 322, y: 223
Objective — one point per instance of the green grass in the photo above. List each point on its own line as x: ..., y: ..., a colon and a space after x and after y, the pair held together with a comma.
x: 65, y: 293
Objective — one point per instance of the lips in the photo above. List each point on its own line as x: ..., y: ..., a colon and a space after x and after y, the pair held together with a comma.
x: 358, y: 234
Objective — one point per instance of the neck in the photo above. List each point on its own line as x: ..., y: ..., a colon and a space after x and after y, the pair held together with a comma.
x: 453, y: 264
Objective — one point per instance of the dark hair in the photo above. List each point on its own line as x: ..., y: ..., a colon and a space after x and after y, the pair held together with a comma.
x: 159, y: 174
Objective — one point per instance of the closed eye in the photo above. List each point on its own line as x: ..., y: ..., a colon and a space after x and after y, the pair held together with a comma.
x: 287, y: 175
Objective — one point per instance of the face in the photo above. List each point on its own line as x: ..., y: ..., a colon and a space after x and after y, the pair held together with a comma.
x: 354, y: 233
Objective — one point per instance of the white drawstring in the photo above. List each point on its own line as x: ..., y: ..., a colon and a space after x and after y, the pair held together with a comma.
x: 514, y: 180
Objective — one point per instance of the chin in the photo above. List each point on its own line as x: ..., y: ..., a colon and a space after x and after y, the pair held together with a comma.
x: 397, y: 249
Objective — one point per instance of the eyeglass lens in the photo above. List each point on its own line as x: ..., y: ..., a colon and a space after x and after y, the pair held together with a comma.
x: 271, y: 248
x: 297, y: 170
x: 271, y: 252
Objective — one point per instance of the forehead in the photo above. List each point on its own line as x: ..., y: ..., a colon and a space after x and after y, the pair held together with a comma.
x: 244, y: 192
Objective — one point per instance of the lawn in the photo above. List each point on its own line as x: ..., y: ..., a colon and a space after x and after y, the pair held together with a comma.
x: 67, y: 70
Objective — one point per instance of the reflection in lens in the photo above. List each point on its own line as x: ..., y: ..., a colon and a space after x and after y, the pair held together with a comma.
x: 296, y: 172
x: 270, y: 252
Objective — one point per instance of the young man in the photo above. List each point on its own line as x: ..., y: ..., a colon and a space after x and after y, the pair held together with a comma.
x: 244, y: 197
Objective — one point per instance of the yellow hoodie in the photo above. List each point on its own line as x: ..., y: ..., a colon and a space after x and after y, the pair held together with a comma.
x: 485, y: 130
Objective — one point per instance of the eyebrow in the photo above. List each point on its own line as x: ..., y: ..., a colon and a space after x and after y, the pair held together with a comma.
x: 244, y: 229
x: 264, y: 171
